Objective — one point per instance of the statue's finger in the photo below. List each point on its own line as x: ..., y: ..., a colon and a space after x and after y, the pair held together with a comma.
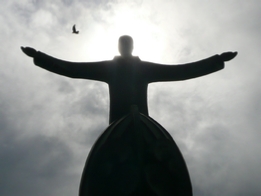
x: 22, y: 48
x: 233, y: 55
x: 28, y: 51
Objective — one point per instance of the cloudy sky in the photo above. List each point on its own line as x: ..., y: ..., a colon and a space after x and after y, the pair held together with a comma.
x: 49, y: 122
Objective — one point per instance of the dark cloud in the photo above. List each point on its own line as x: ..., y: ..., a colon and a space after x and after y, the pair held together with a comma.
x: 35, y: 165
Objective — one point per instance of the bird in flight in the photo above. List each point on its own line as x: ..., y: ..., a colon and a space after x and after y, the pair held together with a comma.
x: 74, y: 30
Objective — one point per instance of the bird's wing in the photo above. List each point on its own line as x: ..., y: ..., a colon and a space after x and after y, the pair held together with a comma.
x: 74, y: 29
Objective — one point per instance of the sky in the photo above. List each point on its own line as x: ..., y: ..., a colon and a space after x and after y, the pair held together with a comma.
x: 48, y: 122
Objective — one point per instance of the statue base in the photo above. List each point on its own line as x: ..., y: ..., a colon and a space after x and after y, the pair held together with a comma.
x: 135, y: 156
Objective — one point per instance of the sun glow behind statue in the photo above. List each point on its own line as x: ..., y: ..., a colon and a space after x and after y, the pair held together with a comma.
x: 148, y: 39
x: 155, y: 39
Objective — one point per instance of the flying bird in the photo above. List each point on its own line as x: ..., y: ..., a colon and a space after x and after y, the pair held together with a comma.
x: 74, y: 30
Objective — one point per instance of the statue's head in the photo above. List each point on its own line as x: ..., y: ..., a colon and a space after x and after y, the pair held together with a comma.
x: 125, y: 45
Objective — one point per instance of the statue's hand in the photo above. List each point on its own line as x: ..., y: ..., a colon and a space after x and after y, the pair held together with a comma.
x: 227, y: 56
x: 29, y: 51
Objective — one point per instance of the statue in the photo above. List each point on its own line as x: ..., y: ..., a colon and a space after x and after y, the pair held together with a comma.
x: 135, y: 155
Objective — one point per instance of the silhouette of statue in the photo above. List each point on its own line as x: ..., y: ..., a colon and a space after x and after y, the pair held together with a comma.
x: 134, y: 155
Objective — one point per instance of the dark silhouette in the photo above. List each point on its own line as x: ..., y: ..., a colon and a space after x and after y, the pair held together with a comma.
x: 134, y: 155
x: 74, y: 30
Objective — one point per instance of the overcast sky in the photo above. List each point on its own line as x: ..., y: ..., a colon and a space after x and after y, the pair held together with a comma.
x: 49, y: 122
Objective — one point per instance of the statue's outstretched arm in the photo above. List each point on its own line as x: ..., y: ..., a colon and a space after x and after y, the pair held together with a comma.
x: 158, y: 72
x: 91, y: 70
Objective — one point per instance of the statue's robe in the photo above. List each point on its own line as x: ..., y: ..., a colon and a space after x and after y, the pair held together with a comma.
x: 135, y: 155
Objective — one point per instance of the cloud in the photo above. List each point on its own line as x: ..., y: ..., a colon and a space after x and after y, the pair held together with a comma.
x: 37, y: 166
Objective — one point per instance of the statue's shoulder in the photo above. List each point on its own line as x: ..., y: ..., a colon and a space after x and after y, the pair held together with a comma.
x: 133, y: 58
x: 137, y: 58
